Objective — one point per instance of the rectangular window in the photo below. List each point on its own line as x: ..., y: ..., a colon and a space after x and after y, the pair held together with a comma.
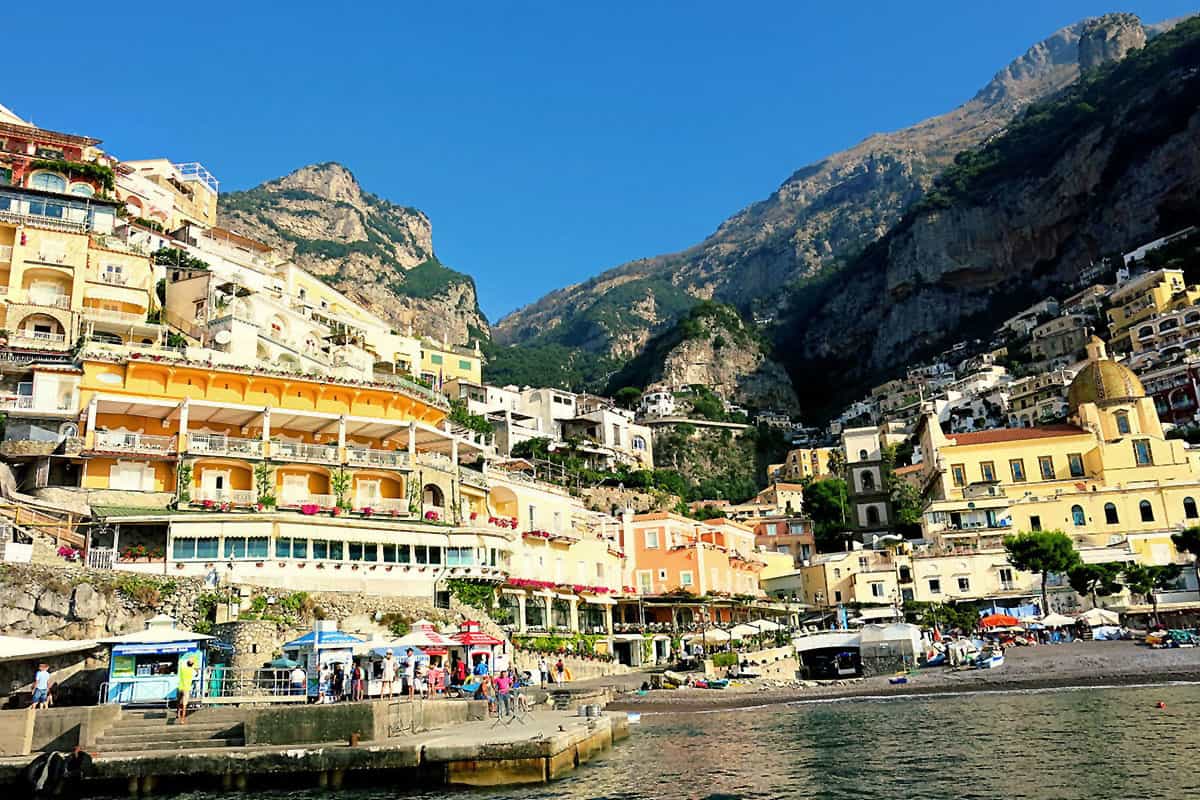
x: 435, y: 359
x: 389, y: 554
x: 876, y: 590
x: 964, y: 584
x: 1141, y: 452
x: 1075, y: 465
x: 837, y: 597
x: 651, y: 540
x: 356, y: 551
x: 320, y: 549
x: 183, y: 548
x: 935, y: 586
x: 403, y: 554
x: 1017, y: 466
x: 206, y: 548
x: 1006, y: 578
x: 435, y: 555
x: 299, y: 548
x: 335, y: 551
x: 235, y: 548
x: 1046, y: 465
x: 283, y: 547
x: 959, y: 474
x: 421, y: 554
x: 685, y: 578
x: 987, y: 470
x: 5, y: 176
x: 1035, y: 523
x: 258, y: 546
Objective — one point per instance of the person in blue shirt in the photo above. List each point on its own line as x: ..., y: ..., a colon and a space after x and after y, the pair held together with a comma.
x: 481, y: 667
x: 41, y: 687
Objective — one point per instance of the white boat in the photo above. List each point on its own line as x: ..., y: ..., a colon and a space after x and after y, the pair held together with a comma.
x: 990, y: 661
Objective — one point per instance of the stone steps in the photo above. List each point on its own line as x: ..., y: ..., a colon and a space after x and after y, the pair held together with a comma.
x: 128, y: 746
x: 159, y: 730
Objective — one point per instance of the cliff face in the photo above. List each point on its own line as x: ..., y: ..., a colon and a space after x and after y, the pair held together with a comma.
x: 819, y: 218
x: 1111, y: 163
x: 377, y: 253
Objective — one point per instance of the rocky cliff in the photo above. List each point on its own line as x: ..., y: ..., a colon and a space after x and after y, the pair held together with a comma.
x: 377, y: 253
x: 1108, y: 164
x: 817, y: 222
x: 712, y: 346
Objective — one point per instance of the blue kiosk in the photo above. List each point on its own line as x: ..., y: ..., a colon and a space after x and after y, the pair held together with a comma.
x: 143, y: 667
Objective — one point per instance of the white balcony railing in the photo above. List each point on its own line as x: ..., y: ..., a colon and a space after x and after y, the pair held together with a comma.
x: 237, y: 497
x: 472, y: 478
x: 382, y: 505
x: 48, y: 299
x: 41, y: 337
x: 119, y: 317
x: 297, y: 499
x: 114, y: 278
x: 208, y: 444
x: 297, y: 451
x: 436, y: 460
x: 135, y: 443
x: 15, y: 402
x: 366, y: 457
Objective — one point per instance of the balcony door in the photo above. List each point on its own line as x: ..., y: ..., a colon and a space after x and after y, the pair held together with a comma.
x: 367, y: 494
x: 214, y: 484
x: 295, y: 489
x: 129, y: 476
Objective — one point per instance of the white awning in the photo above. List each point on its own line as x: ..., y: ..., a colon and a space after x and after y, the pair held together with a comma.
x: 599, y: 601
x: 18, y: 648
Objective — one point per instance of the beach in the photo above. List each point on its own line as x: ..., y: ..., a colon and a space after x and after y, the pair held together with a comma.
x: 1121, y: 663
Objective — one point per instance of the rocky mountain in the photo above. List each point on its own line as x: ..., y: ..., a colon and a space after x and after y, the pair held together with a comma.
x: 377, y: 253
x: 816, y: 223
x: 713, y: 347
x: 1107, y: 164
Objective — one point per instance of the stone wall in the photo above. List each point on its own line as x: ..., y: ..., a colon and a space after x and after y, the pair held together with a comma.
x: 606, y: 498
x: 254, y: 642
x: 581, y: 669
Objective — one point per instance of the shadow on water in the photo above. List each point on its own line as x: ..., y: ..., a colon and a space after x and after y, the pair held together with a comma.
x: 1098, y: 744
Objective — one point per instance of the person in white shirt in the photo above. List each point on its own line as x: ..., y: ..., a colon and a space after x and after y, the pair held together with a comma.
x: 389, y: 675
x: 410, y: 670
x: 299, y: 681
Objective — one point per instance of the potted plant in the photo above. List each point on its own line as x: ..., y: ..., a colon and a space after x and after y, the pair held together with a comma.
x: 367, y: 511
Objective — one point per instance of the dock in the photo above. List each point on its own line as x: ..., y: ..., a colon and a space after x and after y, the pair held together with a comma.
x: 151, y: 755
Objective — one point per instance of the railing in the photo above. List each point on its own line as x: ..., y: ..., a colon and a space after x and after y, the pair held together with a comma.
x: 40, y: 337
x: 220, y: 445
x: 473, y: 478
x: 43, y: 221
x: 412, y: 386
x: 107, y: 315
x: 224, y: 684
x: 101, y: 557
x: 366, y: 457
x: 237, y: 497
x: 297, y: 451
x: 16, y: 402
x: 46, y: 299
x: 305, y: 499
x: 135, y: 442
x: 114, y: 278
x: 435, y: 460
x: 382, y: 505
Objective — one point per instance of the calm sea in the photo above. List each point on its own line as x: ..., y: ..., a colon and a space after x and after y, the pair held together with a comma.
x: 1099, y: 744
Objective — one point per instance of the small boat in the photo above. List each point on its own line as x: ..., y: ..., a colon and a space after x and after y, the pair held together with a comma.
x: 990, y: 660
x: 720, y: 683
x: 898, y: 680
x: 634, y: 717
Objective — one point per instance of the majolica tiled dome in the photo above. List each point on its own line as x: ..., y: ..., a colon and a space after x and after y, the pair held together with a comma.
x: 1103, y: 381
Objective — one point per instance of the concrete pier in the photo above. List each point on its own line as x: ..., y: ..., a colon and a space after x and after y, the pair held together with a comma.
x: 544, y: 746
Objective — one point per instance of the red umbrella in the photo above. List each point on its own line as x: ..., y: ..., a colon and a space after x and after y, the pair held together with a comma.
x: 998, y: 621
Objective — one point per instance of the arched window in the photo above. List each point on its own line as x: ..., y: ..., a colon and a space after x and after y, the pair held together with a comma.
x: 1122, y: 422
x: 83, y: 190
x: 1146, y: 330
x: 862, y: 455
x: 1189, y: 508
x: 1168, y: 325
x: 872, y: 515
x: 1110, y: 514
x: 1146, y: 510
x: 48, y: 182
x: 639, y: 443
x: 433, y: 495
x: 1077, y: 516
x: 868, y: 481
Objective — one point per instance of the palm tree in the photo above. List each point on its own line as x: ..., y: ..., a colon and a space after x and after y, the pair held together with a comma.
x: 1146, y: 580
x: 1188, y: 541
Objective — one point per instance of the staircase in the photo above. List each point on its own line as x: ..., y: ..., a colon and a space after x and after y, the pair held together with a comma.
x: 206, y: 728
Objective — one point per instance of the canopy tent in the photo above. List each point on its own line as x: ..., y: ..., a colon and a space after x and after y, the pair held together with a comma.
x: 1053, y: 620
x: 998, y: 621
x: 878, y: 614
x: 743, y: 630
x: 427, y: 637
x: 284, y: 663
x: 1100, y: 616
x: 710, y: 636
x: 766, y: 625
x: 18, y: 648
x: 321, y: 639
x: 899, y: 638
x: 399, y: 653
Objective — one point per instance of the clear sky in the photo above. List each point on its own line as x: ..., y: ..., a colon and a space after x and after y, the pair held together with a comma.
x: 546, y: 141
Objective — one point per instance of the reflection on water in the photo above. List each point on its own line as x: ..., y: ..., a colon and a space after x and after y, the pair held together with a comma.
x: 1097, y: 744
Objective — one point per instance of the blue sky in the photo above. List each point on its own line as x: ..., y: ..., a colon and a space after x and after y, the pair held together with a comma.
x: 546, y: 141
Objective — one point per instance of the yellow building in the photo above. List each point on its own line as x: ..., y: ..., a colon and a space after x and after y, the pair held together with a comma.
x: 805, y: 462
x: 169, y: 193
x: 441, y: 362
x: 1143, y: 298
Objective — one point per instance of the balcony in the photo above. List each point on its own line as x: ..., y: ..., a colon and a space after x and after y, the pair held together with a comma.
x: 43, y: 299
x: 207, y: 444
x: 436, y: 460
x: 38, y: 339
x: 366, y: 457
x: 114, y: 278
x: 298, y: 451
x: 383, y: 506
x: 297, y: 500
x: 135, y: 443
x: 16, y: 402
x: 235, y: 497
x: 472, y: 478
x: 116, y: 317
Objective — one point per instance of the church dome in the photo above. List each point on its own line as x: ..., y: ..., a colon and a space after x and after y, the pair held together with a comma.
x: 1103, y: 381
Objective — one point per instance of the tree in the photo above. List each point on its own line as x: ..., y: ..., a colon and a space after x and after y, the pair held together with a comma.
x: 1096, y: 580
x: 1188, y: 541
x: 907, y: 506
x: 628, y: 397
x: 1147, y: 579
x: 826, y: 503
x: 1043, y: 552
x: 837, y: 463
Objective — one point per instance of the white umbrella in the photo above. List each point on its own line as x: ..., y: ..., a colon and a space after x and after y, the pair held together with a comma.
x: 744, y: 629
x: 710, y: 636
x: 1100, y: 616
x: 767, y: 626
x: 1057, y: 620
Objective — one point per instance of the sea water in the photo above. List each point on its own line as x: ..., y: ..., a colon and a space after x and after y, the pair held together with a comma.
x: 1098, y: 744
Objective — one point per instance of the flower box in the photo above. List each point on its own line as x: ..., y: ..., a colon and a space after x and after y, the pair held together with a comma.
x: 309, y: 509
x: 258, y: 564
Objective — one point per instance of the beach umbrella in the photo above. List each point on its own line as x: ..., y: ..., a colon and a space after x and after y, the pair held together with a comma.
x: 710, y: 636
x: 742, y: 630
x: 1100, y: 616
x: 284, y: 663
x: 999, y: 621
x: 1053, y: 620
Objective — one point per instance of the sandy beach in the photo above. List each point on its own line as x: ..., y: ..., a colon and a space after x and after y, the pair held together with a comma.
x: 1043, y: 667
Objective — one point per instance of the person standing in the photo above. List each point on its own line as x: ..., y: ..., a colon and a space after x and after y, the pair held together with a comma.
x: 323, y: 680
x: 339, y: 682
x: 503, y: 687
x: 410, y: 672
x: 299, y: 681
x: 357, y: 683
x: 460, y: 672
x: 389, y: 675
x: 41, y: 687
x: 543, y: 671
x: 187, y: 674
x: 560, y: 672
